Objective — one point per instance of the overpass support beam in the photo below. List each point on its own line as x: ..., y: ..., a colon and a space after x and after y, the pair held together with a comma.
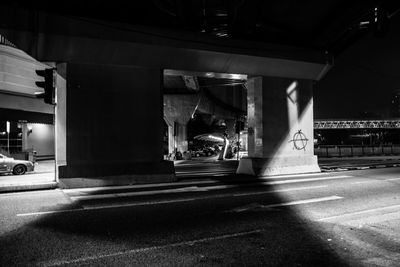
x: 280, y: 127
x: 113, y: 127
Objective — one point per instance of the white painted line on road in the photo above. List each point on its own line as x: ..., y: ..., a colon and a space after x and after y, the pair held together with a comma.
x: 206, y: 171
x: 142, y: 186
x: 147, y: 203
x: 367, y: 182
x: 208, y: 174
x: 180, y: 190
x: 140, y: 193
x: 376, y: 181
x: 138, y: 186
x: 290, y: 203
x: 306, y: 180
x: 177, y: 190
x: 147, y: 249
x: 88, y: 208
x: 280, y: 190
x: 293, y: 175
x: 363, y: 168
x: 359, y: 213
x: 392, y: 179
x: 304, y: 201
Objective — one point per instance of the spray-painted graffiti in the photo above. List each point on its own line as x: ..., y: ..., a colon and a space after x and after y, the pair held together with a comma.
x: 299, y: 141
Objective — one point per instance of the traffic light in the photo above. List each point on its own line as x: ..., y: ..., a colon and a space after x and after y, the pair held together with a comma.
x: 48, y: 84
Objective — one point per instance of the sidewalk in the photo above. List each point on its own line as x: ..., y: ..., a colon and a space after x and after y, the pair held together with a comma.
x: 42, y: 178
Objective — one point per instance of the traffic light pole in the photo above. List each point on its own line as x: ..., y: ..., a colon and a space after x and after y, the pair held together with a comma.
x: 8, y: 137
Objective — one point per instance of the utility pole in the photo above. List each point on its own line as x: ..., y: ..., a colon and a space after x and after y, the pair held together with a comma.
x: 8, y: 137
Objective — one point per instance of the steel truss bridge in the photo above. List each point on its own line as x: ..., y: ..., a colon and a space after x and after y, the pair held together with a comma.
x: 356, y: 124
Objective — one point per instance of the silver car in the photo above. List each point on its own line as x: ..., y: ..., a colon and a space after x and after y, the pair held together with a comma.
x: 16, y: 166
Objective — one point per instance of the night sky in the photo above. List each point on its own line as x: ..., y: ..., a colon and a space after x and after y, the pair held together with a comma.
x: 363, y: 80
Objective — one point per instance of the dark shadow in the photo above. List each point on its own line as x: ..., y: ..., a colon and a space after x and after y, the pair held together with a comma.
x: 275, y: 237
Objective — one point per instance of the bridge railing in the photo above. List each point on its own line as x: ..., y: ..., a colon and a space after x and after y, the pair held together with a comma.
x: 357, y: 124
x: 356, y: 150
x: 4, y: 41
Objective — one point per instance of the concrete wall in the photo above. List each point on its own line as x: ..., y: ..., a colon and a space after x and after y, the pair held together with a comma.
x: 114, y: 122
x: 41, y: 139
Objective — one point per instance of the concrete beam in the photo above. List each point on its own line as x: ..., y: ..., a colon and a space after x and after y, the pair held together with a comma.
x: 92, y: 42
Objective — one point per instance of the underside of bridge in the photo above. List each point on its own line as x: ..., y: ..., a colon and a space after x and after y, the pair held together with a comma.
x: 112, y: 63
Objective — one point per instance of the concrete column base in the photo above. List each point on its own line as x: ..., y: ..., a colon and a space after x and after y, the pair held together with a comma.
x: 278, y: 165
x: 95, y: 175
x: 116, y: 180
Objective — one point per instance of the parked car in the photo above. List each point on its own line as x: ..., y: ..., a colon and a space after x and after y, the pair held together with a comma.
x: 197, y: 153
x: 209, y: 151
x: 15, y: 166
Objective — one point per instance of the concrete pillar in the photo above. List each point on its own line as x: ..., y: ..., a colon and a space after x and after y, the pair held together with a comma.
x: 280, y: 127
x: 114, y: 127
x: 181, y: 138
x: 178, y: 110
x: 25, y: 133
x: 60, y: 118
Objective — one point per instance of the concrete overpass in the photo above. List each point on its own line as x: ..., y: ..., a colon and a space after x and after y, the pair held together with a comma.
x: 109, y: 110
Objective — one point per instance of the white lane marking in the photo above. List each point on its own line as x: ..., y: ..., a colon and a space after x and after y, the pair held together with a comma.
x: 290, y: 203
x: 193, y: 189
x: 293, y: 175
x: 205, y: 171
x: 392, y: 179
x: 359, y: 212
x: 87, y: 208
x: 306, y: 180
x: 366, y: 182
x: 147, y: 203
x: 141, y: 193
x: 140, y: 186
x: 146, y: 249
x: 304, y: 201
x: 376, y: 181
x: 280, y: 190
x: 205, y: 174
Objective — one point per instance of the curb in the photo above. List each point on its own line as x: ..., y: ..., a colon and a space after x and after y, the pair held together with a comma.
x: 30, y: 187
x: 338, y: 168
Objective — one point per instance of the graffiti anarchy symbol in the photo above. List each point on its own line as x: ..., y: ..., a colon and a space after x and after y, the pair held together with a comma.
x: 299, y: 140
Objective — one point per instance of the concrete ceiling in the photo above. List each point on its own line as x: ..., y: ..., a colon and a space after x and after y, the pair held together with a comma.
x: 330, y: 25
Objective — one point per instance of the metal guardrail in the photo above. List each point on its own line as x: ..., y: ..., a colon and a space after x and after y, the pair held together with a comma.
x: 357, y: 124
x: 5, y: 41
x: 356, y: 151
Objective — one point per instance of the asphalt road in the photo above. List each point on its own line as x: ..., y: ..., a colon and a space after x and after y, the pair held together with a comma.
x: 349, y: 218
